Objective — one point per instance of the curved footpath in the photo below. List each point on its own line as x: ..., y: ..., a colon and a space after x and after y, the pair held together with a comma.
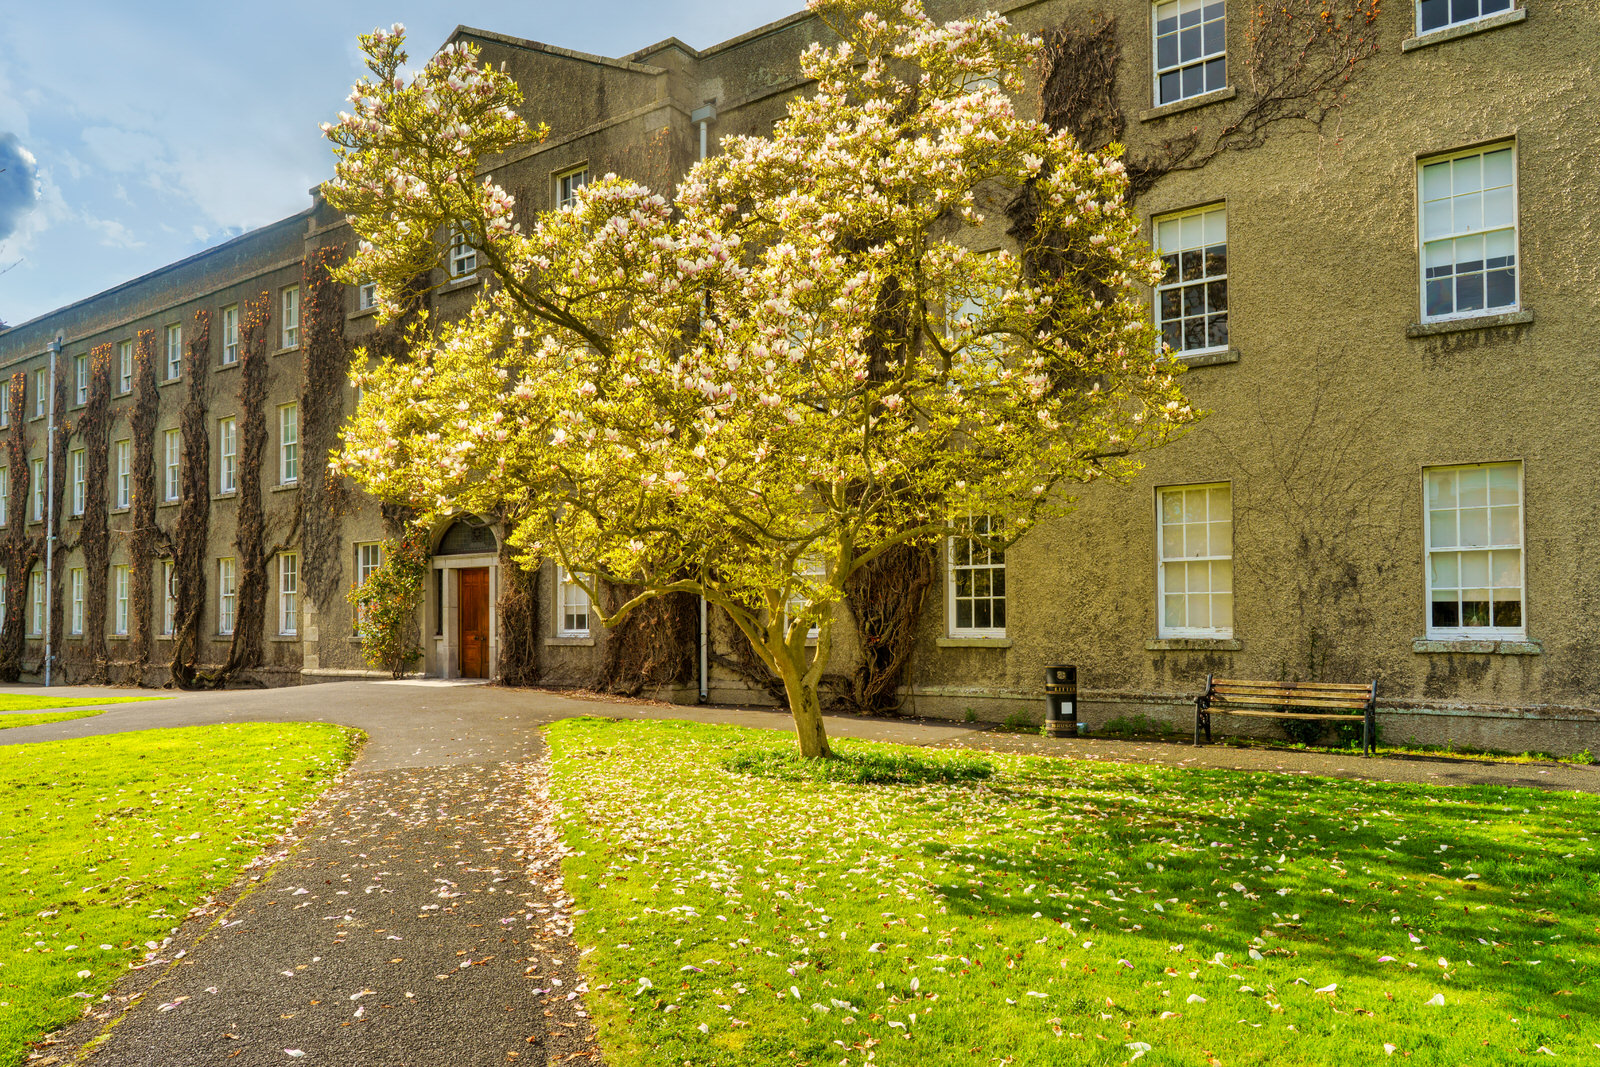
x: 419, y: 917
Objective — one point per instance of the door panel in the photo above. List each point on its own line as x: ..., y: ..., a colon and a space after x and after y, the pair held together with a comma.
x: 474, y: 622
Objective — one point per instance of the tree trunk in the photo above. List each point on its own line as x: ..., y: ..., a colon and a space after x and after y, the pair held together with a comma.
x: 806, y: 707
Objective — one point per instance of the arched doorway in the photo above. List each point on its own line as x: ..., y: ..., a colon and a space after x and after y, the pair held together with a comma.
x: 465, y: 587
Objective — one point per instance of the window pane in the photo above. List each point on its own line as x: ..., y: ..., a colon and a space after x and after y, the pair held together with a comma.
x: 1174, y: 614
x: 1474, y: 568
x: 1199, y: 608
x: 1199, y: 581
x: 1466, y: 173
x: 1475, y: 607
x: 1446, y: 613
x: 999, y: 610
x: 1442, y: 529
x: 1217, y: 331
x: 1497, y: 209
x: 1216, y: 260
x: 1446, y: 571
x: 1194, y: 299
x: 1222, y: 576
x: 1216, y: 75
x: 1503, y: 523
x: 1171, y: 507
x: 1221, y: 539
x: 1474, y: 487
x: 1500, y: 289
x: 1171, y: 86
x: 1506, y: 568
x: 982, y: 619
x: 1503, y: 484
x: 1217, y: 296
x: 1508, y: 612
x: 1222, y: 610
x: 1172, y: 541
x: 1497, y: 168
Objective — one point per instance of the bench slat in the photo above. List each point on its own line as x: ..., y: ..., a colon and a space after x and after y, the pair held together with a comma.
x: 1290, y: 694
x: 1269, y: 700
x: 1286, y: 714
x: 1328, y: 687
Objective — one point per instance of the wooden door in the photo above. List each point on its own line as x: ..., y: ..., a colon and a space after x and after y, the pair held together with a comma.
x: 474, y: 622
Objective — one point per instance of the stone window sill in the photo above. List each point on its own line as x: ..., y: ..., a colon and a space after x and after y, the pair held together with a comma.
x: 286, y: 350
x: 362, y: 313
x: 1477, y: 322
x: 1494, y: 646
x: 122, y: 510
x: 459, y: 283
x: 116, y: 637
x: 973, y: 642
x: 1193, y: 644
x: 169, y: 503
x: 1209, y: 359
x: 228, y: 366
x: 286, y: 638
x: 286, y: 487
x: 1161, y: 111
x: 569, y: 642
x: 229, y: 495
x: 168, y: 381
x: 1451, y: 33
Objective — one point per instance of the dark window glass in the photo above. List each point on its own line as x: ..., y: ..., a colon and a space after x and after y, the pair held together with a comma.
x: 1469, y: 292
x: 1219, y: 330
x: 1194, y: 264
x: 1502, y: 288
x: 1445, y: 614
x: 1194, y: 300
x: 1508, y: 613
x: 1216, y: 75
x: 1217, y: 296
x: 1170, y: 85
x: 1435, y: 13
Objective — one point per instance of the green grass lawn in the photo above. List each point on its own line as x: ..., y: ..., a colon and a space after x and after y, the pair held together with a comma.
x: 737, y: 910
x: 12, y: 707
x: 106, y: 842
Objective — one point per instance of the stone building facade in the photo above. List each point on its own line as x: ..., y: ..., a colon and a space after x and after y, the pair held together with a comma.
x: 1388, y: 312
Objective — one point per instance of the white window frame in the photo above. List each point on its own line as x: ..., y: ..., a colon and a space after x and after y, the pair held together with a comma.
x: 75, y: 586
x: 125, y: 367
x: 36, y: 603
x: 1212, y: 222
x: 227, y: 595
x: 366, y: 296
x: 172, y: 465
x: 119, y: 595
x: 989, y: 567
x: 567, y: 185
x: 169, y: 599
x: 5, y: 495
x: 369, y: 557
x: 230, y: 334
x: 37, y: 473
x: 174, y: 352
x: 5, y: 406
x: 80, y: 375
x: 1211, y: 557
x: 289, y: 444
x: 289, y: 594
x: 568, y: 596
x: 1460, y: 632
x: 41, y: 390
x: 1457, y: 233
x: 227, y: 455
x: 289, y: 300
x: 463, y: 257
x: 122, y: 451
x: 79, y: 485
x: 1450, y: 24
x: 1179, y: 65
x: 2, y: 594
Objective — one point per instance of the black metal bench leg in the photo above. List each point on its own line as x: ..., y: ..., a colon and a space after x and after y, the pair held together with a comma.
x: 1199, y: 713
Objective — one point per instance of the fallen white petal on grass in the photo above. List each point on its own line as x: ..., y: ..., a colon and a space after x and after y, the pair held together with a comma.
x: 1436, y: 1001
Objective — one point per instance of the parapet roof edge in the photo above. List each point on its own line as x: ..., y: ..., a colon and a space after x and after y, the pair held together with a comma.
x: 732, y: 42
x: 626, y: 64
x: 147, y: 275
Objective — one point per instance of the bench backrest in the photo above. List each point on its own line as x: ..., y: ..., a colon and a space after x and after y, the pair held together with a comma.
x: 1291, y: 694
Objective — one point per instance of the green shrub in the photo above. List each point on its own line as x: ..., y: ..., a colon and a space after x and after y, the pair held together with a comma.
x: 1020, y: 721
x: 386, y: 604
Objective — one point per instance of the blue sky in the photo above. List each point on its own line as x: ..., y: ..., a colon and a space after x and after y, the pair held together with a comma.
x: 134, y: 134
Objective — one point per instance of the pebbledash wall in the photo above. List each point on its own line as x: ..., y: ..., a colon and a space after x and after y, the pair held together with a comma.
x: 1391, y: 320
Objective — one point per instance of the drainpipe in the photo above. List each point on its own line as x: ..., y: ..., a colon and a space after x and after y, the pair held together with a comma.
x: 704, y: 115
x: 54, y: 347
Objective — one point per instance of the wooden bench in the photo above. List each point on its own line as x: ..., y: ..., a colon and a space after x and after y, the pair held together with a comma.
x: 1332, y: 701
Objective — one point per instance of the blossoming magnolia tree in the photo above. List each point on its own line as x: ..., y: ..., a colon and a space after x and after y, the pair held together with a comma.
x: 754, y: 391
